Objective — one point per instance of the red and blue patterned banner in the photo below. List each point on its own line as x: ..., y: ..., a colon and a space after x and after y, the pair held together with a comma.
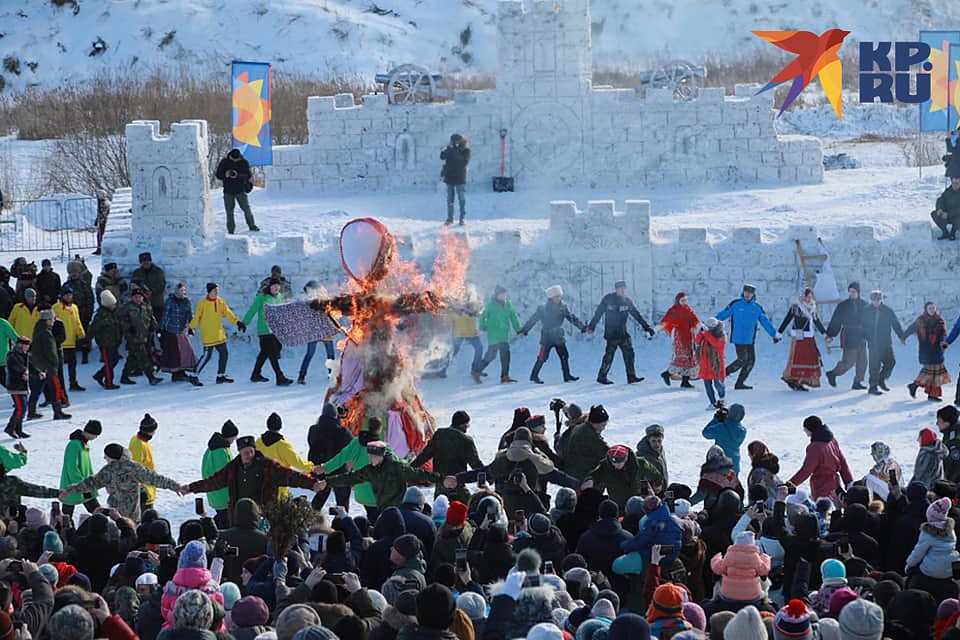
x: 251, y: 93
x: 942, y: 111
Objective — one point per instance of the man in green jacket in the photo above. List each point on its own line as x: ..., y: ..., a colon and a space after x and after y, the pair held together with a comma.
x: 45, y: 363
x: 586, y: 448
x: 387, y: 476
x: 270, y: 347
x: 216, y: 457
x: 497, y: 319
x: 621, y: 475
x: 451, y: 450
x: 108, y: 332
x: 77, y: 467
x: 155, y: 279
x: 139, y: 327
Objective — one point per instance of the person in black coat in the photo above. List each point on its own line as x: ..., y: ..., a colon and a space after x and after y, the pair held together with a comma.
x: 246, y: 536
x: 94, y: 552
x: 600, y: 544
x: 47, y: 283
x: 905, y: 529
x: 326, y: 439
x: 878, y: 321
x: 375, y: 567
x: 847, y: 322
x: 417, y: 522
x: 456, y: 157
x: 615, y: 308
x: 551, y: 315
x: 544, y: 537
x: 952, y: 160
x: 234, y: 171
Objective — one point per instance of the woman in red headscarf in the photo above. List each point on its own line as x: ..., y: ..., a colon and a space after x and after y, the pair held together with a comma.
x: 680, y: 322
x: 931, y: 333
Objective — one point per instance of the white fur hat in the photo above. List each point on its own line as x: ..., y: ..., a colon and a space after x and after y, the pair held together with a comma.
x: 555, y: 290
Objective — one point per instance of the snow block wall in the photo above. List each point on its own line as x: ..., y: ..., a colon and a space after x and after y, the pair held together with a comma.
x: 170, y: 188
x: 559, y: 129
x: 587, y: 250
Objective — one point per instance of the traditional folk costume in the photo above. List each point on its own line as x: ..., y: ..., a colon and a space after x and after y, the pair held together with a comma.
x: 680, y: 322
x: 803, y: 363
x: 931, y: 333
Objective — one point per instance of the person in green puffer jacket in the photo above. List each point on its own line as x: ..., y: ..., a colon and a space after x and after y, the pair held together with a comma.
x: 77, y: 467
x: 586, y: 448
x: 8, y: 337
x: 355, y: 453
x: 270, y: 347
x: 621, y: 474
x: 497, y: 318
x: 216, y: 457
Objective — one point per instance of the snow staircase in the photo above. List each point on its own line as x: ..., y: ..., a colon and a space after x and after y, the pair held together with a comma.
x: 818, y: 275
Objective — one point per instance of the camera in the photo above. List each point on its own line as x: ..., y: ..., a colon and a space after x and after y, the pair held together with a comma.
x: 722, y: 412
x: 557, y: 405
x: 333, y: 512
x: 667, y: 550
x: 231, y: 552
x: 15, y: 566
x: 531, y: 581
x: 548, y: 567
x: 517, y: 478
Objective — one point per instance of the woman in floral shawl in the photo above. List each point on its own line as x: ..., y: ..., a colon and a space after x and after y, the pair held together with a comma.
x: 680, y: 322
x: 931, y: 333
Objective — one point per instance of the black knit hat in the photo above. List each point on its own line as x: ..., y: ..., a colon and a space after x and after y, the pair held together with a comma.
x: 211, y: 286
x: 113, y: 451
x: 274, y: 423
x: 460, y: 418
x: 143, y: 257
x: 598, y: 415
x: 93, y: 427
x: 854, y: 285
x: 436, y: 607
x: 408, y: 545
x: 229, y: 430
x: 949, y: 414
x: 148, y: 424
x: 812, y: 423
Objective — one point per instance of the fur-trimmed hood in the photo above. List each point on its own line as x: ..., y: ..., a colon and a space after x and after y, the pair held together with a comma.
x: 394, y: 619
x: 534, y: 605
x: 520, y: 450
x: 942, y: 533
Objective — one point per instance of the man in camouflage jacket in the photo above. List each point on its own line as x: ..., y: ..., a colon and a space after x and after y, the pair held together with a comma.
x: 122, y: 478
x: 139, y: 327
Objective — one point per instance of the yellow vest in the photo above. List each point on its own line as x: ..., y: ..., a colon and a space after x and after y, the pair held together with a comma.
x: 141, y: 451
x: 23, y: 320
x: 283, y: 453
x: 70, y: 317
x: 209, y: 317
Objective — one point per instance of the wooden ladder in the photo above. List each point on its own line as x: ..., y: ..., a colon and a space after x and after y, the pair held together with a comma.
x: 812, y: 265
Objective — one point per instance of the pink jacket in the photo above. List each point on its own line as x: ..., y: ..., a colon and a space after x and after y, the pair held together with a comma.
x: 185, y: 580
x: 823, y: 462
x: 740, y: 570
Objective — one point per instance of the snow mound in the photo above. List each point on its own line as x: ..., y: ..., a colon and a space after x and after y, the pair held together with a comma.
x: 885, y: 120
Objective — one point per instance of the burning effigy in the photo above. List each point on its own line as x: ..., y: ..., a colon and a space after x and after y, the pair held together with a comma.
x: 377, y: 371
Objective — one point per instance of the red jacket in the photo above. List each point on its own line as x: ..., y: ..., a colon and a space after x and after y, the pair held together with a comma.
x: 712, y: 360
x: 823, y: 463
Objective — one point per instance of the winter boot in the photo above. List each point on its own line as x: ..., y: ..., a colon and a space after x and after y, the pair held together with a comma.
x: 11, y: 429
x: 535, y: 374
x: 257, y: 377
x: 32, y: 412
x: 883, y: 385
x: 20, y: 432
x: 284, y: 381
x: 791, y: 384
x: 179, y: 376
x: 75, y: 386
x: 832, y: 378
x: 154, y: 380
x: 222, y: 379
x: 634, y: 379
x: 604, y: 380
x: 302, y: 379
x: 876, y: 392
x: 506, y: 380
x: 666, y: 377
x: 858, y: 386
x: 685, y: 383
x: 565, y: 367
x: 125, y: 379
x: 476, y: 377
x: 58, y: 413
x: 195, y: 381
x: 912, y: 388
x: 934, y: 399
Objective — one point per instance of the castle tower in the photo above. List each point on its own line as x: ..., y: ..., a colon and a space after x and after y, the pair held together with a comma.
x: 169, y: 181
x: 545, y: 64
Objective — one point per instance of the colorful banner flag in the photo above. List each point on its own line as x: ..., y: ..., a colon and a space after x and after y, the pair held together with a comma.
x: 942, y: 111
x: 251, y: 92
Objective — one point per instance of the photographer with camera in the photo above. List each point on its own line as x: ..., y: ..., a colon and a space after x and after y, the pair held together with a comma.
x: 456, y: 157
x: 727, y: 432
x: 234, y: 171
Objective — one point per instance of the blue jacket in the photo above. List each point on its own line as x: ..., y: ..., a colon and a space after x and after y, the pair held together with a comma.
x: 728, y: 435
x: 935, y: 551
x: 659, y: 527
x: 177, y: 314
x: 745, y: 314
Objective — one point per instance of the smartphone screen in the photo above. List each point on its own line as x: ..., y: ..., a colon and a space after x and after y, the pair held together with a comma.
x: 482, y: 478
x: 198, y: 506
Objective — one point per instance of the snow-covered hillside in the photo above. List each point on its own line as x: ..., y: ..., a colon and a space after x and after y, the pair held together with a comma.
x: 45, y: 44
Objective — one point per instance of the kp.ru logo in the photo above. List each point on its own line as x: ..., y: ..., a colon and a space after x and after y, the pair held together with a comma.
x: 879, y: 79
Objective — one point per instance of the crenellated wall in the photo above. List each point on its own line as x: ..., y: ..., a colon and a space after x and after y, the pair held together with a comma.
x: 559, y: 129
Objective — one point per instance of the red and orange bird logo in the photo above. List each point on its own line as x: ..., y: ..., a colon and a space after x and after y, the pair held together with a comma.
x: 816, y: 56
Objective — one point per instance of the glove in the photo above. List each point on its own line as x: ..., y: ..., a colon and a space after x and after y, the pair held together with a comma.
x: 513, y: 585
x: 241, y: 326
x: 651, y: 332
x: 190, y: 332
x: 777, y: 339
x: 280, y: 571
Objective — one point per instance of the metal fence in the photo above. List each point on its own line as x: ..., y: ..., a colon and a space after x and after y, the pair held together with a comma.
x: 62, y: 224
